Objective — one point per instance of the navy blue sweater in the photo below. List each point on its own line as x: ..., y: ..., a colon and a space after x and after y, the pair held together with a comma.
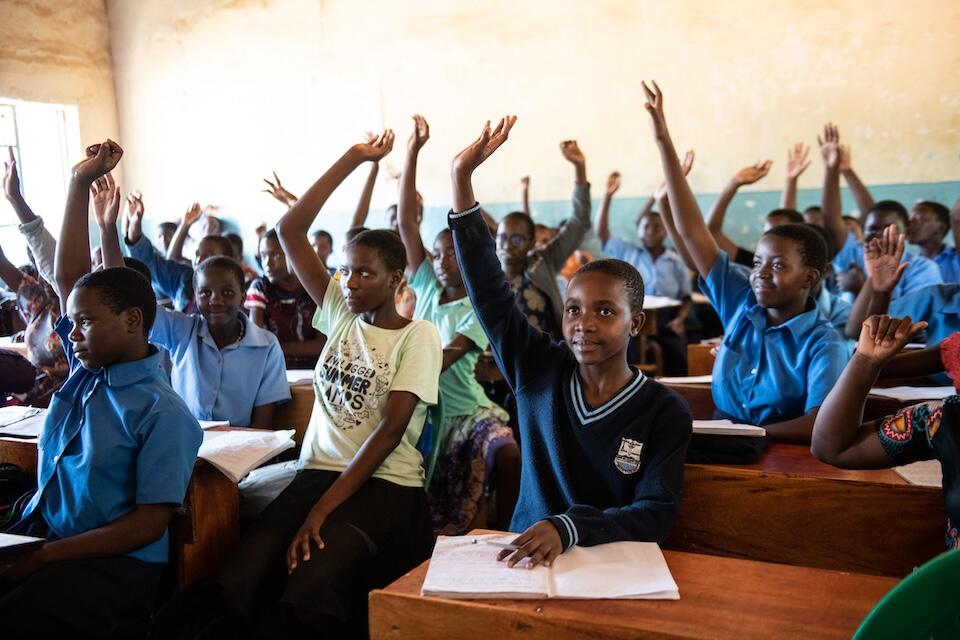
x: 600, y: 474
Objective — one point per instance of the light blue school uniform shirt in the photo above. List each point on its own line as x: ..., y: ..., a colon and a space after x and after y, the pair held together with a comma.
x: 221, y: 384
x: 767, y: 374
x: 948, y: 261
x: 170, y: 279
x: 939, y: 305
x: 113, y: 439
x: 665, y: 276
x: 834, y: 308
x: 920, y: 273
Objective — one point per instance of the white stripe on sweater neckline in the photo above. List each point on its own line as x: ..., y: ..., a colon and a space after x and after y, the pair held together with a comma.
x: 586, y: 415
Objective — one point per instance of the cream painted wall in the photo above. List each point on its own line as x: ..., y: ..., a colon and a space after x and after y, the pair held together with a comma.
x: 215, y: 94
x: 59, y: 52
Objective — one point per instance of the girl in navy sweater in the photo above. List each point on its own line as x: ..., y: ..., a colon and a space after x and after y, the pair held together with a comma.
x: 603, y: 446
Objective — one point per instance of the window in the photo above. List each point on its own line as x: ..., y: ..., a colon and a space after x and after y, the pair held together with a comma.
x: 44, y: 137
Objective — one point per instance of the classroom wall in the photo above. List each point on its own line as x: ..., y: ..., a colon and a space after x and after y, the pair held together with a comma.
x: 59, y: 52
x: 215, y: 94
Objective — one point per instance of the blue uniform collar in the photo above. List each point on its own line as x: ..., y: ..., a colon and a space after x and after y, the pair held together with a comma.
x: 799, y: 325
x: 129, y: 373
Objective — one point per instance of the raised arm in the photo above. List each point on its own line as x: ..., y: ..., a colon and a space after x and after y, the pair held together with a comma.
x: 797, y: 163
x: 9, y: 273
x: 175, y: 250
x: 861, y: 194
x: 603, y: 218
x: 745, y: 176
x: 363, y: 206
x: 106, y: 209
x: 525, y: 185
x: 666, y: 214
x: 883, y: 260
x: 293, y: 227
x: 407, y: 204
x: 839, y: 436
x: 700, y: 242
x: 73, y: 256
x: 278, y: 191
x: 571, y: 232
x: 11, y: 189
x: 832, y: 208
x: 644, y: 209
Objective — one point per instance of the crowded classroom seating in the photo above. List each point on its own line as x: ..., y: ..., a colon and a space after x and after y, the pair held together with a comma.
x: 759, y: 389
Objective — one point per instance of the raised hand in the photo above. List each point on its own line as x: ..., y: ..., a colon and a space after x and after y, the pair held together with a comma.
x: 375, y: 148
x: 101, y: 159
x: 106, y: 200
x: 420, y: 135
x: 571, y: 151
x: 191, y: 215
x: 525, y: 182
x: 687, y: 163
x: 846, y: 161
x: 132, y: 217
x: 883, y: 256
x: 654, y: 107
x: 749, y: 175
x: 11, y: 177
x: 883, y: 337
x: 278, y: 191
x: 613, y: 183
x: 830, y: 146
x: 483, y: 147
x: 797, y: 161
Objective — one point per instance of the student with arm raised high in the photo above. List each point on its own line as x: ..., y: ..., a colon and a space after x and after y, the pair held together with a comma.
x: 603, y: 445
x: 356, y: 516
x: 473, y: 447
x: 926, y: 431
x: 779, y: 355
x: 116, y: 453
x: 718, y: 212
x: 797, y: 163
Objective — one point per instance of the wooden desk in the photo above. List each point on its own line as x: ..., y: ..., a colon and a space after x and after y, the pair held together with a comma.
x: 296, y: 413
x: 719, y: 598
x: 203, y: 530
x: 699, y: 359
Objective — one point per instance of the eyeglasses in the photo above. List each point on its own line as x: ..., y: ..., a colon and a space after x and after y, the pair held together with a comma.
x: 514, y: 239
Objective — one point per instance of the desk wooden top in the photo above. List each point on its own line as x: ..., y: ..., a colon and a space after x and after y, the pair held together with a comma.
x: 796, y: 460
x: 719, y: 598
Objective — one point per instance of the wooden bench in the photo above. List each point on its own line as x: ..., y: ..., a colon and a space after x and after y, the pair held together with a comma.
x: 296, y: 413
x: 719, y: 598
x: 203, y: 530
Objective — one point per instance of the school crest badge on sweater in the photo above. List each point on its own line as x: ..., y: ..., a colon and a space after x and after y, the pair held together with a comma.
x: 628, y: 457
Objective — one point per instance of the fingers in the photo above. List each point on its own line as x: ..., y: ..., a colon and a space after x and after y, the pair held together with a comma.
x: 883, y: 324
x: 109, y: 180
x: 276, y: 178
x: 870, y: 326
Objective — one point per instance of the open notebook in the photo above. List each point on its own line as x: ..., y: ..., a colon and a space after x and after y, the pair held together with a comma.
x: 727, y: 428
x: 236, y: 453
x: 465, y: 567
x: 11, y: 544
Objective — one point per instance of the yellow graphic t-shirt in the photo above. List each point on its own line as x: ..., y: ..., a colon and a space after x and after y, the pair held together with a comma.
x: 358, y: 368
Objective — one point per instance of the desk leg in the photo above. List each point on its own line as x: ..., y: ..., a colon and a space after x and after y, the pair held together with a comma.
x: 213, y: 525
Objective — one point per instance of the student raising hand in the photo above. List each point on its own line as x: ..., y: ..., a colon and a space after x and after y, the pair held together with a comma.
x: 100, y: 159
x: 467, y: 161
x: 106, y: 200
x: 884, y: 337
x: 883, y: 258
x: 752, y: 173
x: 278, y: 191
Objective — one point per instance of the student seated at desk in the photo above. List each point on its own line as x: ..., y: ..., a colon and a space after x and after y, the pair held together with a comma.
x: 603, y: 445
x: 356, y: 516
x: 278, y: 302
x: 779, y: 356
x: 115, y: 456
x: 926, y: 431
x: 473, y: 446
x: 172, y: 280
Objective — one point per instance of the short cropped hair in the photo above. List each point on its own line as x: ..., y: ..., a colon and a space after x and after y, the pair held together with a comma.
x: 167, y: 226
x: 386, y: 243
x: 235, y: 241
x: 353, y: 232
x: 792, y: 215
x: 226, y: 247
x: 320, y: 233
x: 823, y: 233
x: 812, y: 247
x: 625, y: 273
x: 894, y: 206
x: 121, y: 288
x: 855, y: 220
x: 138, y: 266
x: 940, y: 211
x: 525, y: 219
x: 220, y: 262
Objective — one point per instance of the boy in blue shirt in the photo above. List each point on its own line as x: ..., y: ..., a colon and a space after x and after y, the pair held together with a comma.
x: 603, y: 445
x: 779, y: 356
x: 929, y: 224
x: 115, y: 455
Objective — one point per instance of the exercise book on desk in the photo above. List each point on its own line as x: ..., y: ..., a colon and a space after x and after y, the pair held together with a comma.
x: 707, y: 379
x: 21, y: 422
x: 11, y: 544
x: 236, y: 453
x: 727, y: 428
x: 913, y: 394
x: 466, y: 567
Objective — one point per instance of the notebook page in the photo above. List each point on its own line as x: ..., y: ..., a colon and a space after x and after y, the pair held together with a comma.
x: 21, y: 422
x: 926, y: 473
x: 236, y: 453
x: 911, y: 394
x: 707, y: 379
x: 622, y: 570
x: 727, y: 428
x: 467, y: 567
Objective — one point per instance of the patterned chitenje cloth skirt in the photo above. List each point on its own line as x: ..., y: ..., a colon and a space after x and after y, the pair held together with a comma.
x: 464, y: 462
